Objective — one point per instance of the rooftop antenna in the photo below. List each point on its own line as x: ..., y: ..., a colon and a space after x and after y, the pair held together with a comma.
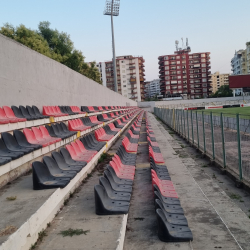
x: 176, y: 44
x: 182, y: 43
x: 186, y: 42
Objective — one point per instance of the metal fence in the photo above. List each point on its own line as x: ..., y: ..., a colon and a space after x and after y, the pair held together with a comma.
x: 224, y: 137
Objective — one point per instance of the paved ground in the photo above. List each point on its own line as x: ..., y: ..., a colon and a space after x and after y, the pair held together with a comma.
x: 215, y: 220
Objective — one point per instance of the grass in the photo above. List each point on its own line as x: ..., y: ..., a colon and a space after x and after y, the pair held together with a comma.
x: 235, y: 196
x: 230, y: 112
x: 103, y: 157
x: 204, y: 166
x: 139, y: 218
x: 71, y: 232
x: 11, y: 198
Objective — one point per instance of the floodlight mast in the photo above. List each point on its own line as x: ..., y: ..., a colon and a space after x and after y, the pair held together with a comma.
x: 111, y: 12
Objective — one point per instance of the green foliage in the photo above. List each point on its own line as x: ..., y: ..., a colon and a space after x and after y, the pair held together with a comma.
x: 70, y: 232
x: 54, y: 44
x: 223, y: 91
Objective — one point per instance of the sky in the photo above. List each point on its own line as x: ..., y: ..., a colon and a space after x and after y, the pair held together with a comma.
x: 147, y: 28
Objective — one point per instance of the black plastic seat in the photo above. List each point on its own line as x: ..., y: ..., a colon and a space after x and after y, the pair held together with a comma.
x: 117, y: 125
x: 62, y: 131
x: 22, y: 141
x: 87, y: 122
x: 51, y: 131
x: 118, y: 187
x: 116, y: 178
x: 109, y: 131
x: 100, y: 118
x: 106, y: 206
x: 166, y: 200
x: 5, y: 152
x: 18, y: 113
x: 37, y: 112
x: 171, y: 233
x: 26, y: 114
x: 89, y: 145
x: 4, y: 160
x: 172, y: 209
x: 32, y: 113
x: 55, y: 170
x: 63, y: 165
x: 58, y: 133
x: 12, y: 144
x: 114, y: 195
x: 68, y: 159
x: 66, y: 130
x: 42, y: 179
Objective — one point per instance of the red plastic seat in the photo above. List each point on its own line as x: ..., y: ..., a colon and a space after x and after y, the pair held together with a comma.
x: 75, y: 157
x: 118, y: 162
x: 3, y: 118
x: 76, y: 109
x: 100, y: 108
x: 91, y: 108
x: 11, y: 116
x: 86, y: 153
x: 77, y: 125
x: 101, y: 135
x: 47, y: 136
x: 120, y: 174
x: 156, y: 156
x: 93, y: 119
x: 132, y: 135
x: 106, y: 117
x: 155, y: 144
x: 113, y: 128
x: 30, y: 136
x: 39, y: 136
x: 129, y: 147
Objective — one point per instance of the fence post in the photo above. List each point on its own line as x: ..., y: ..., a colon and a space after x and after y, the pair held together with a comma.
x: 197, y: 127
x: 192, y: 126
x: 184, y: 123
x: 188, y: 125
x: 204, y: 135
x: 173, y: 119
x: 181, y: 123
x: 212, y: 133
x: 223, y: 140
x: 239, y: 145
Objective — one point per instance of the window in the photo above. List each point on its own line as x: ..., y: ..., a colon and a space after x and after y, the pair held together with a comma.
x: 204, y: 75
x: 167, y: 68
x: 183, y: 57
x: 167, y: 82
x: 178, y: 72
x: 191, y: 81
x: 190, y: 57
x: 167, y: 77
x: 178, y: 62
x: 204, y: 90
x: 166, y: 58
x: 178, y: 67
x: 191, y: 76
x: 204, y: 80
x: 179, y: 77
x: 203, y: 55
x: 203, y: 65
x: 190, y: 61
x: 203, y: 60
x: 123, y: 76
x: 178, y: 57
x: 167, y: 72
x: 204, y: 85
x: 179, y: 87
x: 124, y: 86
x: 167, y: 87
x: 123, y: 71
x: 204, y: 70
x: 172, y: 58
x: 179, y: 81
x: 183, y: 62
x: 124, y: 81
x: 166, y: 62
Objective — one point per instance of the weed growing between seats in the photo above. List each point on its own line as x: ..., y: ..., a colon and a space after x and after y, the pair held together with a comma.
x: 11, y: 198
x: 71, y: 232
x: 139, y: 218
x: 41, y: 235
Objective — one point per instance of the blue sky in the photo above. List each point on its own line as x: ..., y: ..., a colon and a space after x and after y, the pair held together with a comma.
x: 144, y: 27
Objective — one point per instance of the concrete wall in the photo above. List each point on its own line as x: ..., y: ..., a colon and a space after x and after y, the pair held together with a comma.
x: 194, y: 102
x: 29, y: 78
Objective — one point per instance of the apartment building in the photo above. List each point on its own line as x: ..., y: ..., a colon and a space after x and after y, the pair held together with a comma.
x: 130, y: 76
x: 185, y: 74
x: 153, y: 88
x: 219, y: 80
x: 240, y: 63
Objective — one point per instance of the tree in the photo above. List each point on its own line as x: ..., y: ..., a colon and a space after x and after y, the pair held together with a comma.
x: 223, y: 91
x: 54, y: 44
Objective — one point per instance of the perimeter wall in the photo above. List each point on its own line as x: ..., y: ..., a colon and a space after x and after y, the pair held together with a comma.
x: 30, y: 78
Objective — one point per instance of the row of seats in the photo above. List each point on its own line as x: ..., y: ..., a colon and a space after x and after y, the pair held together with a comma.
x: 113, y: 193
x: 94, y: 109
x: 57, y: 170
x: 12, y: 146
x: 172, y: 223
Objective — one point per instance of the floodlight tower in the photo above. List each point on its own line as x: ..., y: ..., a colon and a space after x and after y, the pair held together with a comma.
x: 112, y: 9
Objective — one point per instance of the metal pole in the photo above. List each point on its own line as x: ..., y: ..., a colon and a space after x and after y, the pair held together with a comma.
x: 239, y: 145
x: 197, y: 128
x: 223, y: 140
x: 113, y: 47
x: 204, y: 136
x: 212, y: 133
x: 192, y: 124
x: 187, y: 125
x: 184, y: 124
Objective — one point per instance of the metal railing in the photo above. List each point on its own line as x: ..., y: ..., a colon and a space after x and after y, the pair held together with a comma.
x: 224, y: 137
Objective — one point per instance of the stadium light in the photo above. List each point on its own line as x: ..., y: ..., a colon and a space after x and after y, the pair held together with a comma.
x: 112, y: 8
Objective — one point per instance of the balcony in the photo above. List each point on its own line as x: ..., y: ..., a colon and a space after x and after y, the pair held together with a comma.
x: 131, y: 67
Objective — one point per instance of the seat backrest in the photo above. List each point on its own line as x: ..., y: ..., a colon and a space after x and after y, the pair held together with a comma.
x: 81, y: 146
x: 37, y: 132
x: 36, y: 110
x: 9, y: 140
x: 71, y: 151
x: 51, y: 110
x: 44, y: 132
x: 31, y: 111
x: 2, y: 114
x: 41, y: 171
x: 9, y: 112
x: 91, y: 108
x: 51, y: 165
x: 24, y: 111
x: 76, y: 148
x: 59, y: 159
x: 17, y: 112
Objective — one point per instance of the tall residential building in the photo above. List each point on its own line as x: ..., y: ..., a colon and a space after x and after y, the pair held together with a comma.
x: 219, y: 80
x: 153, y: 88
x: 130, y: 76
x: 185, y: 74
x: 241, y: 61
